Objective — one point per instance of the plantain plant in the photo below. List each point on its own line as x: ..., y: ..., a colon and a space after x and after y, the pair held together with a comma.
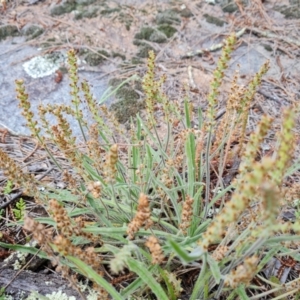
x: 148, y: 214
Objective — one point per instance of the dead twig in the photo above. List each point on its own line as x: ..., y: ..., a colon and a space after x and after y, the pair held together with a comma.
x: 213, y: 48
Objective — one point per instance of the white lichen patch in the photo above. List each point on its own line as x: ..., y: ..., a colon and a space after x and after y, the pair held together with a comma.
x: 41, y: 66
x: 54, y: 296
x: 20, y: 260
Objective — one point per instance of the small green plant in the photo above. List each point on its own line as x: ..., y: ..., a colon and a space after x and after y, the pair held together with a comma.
x: 2, y: 294
x: 8, y: 188
x: 19, y: 211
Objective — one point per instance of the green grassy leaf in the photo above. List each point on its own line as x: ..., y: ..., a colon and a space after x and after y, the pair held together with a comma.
x: 90, y: 273
x: 141, y: 270
x: 182, y: 254
x: 215, y: 270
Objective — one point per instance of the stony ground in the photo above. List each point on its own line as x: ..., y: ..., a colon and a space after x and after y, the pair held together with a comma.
x: 113, y: 39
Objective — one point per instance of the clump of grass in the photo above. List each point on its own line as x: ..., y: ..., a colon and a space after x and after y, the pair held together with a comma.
x: 146, y: 197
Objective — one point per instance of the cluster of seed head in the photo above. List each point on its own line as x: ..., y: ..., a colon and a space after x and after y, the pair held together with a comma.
x: 151, y: 89
x: 73, y: 75
x: 110, y: 171
x: 74, y: 156
x: 218, y: 76
x: 88, y: 255
x: 229, y: 121
x: 92, y: 104
x: 95, y: 188
x: 270, y: 202
x: 219, y: 253
x: 286, y: 147
x: 42, y: 235
x: 247, y: 98
x: 256, y: 138
x: 243, y: 274
x: 24, y: 104
x: 142, y: 217
x: 64, y: 222
x: 56, y: 110
x: 100, y: 114
x: 187, y: 214
x: 94, y: 148
x: 71, y: 181
x: 155, y: 250
x: 114, y: 125
x: 15, y: 174
x: 246, y: 190
x: 199, y: 148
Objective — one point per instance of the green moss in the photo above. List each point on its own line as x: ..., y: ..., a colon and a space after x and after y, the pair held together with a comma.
x: 129, y: 104
x: 109, y: 11
x: 267, y: 47
x: 290, y: 12
x: 145, y: 33
x: 63, y: 8
x: 78, y: 15
x: 167, y: 29
x: 230, y: 6
x: 150, y: 34
x: 64, y: 70
x: 8, y: 30
x: 85, y: 2
x: 55, y: 57
x: 115, y: 82
x: 51, y: 40
x: 125, y: 109
x: 185, y: 13
x: 136, y: 61
x: 126, y: 19
x: 94, y: 59
x: 214, y: 20
x: 138, y: 43
x: 127, y: 93
x: 144, y: 51
x: 90, y: 13
x: 127, y: 26
x: 117, y: 54
x: 158, y: 37
x: 32, y: 31
x: 45, y: 45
